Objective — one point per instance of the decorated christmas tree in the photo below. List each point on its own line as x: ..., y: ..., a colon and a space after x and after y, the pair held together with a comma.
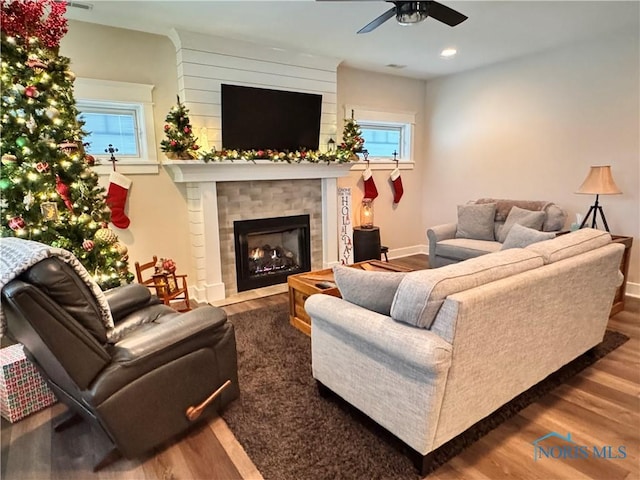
x: 180, y: 142
x: 352, y: 136
x: 48, y: 191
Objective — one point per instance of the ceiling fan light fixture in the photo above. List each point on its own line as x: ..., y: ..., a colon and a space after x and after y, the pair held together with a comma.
x: 410, y: 13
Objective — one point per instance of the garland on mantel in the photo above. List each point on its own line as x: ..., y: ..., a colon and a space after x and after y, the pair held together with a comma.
x: 340, y: 155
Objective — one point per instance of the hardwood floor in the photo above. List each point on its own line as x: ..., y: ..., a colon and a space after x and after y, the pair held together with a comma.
x: 600, y: 406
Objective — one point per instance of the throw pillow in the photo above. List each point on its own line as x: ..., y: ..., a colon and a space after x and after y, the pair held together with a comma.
x: 476, y: 221
x: 520, y: 236
x: 526, y: 218
x: 370, y: 290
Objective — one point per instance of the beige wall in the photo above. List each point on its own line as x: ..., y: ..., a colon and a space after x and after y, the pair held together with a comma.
x: 399, y: 224
x: 156, y: 206
x: 530, y: 129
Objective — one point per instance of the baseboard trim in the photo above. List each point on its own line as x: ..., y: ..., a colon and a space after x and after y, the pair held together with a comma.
x: 633, y: 290
x: 406, y: 251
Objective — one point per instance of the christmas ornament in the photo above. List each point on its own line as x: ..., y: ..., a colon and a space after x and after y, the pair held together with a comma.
x: 121, y: 248
x: 370, y: 190
x: 52, y: 113
x: 117, y: 198
x: 31, y: 91
x: 396, y: 181
x: 31, y: 124
x: 22, y: 141
x: 4, y: 183
x: 68, y: 147
x: 105, y: 236
x: 63, y: 191
x: 88, y: 245
x: 90, y: 159
x: 42, y: 167
x: 19, y: 88
x: 28, y: 200
x: 70, y: 75
x: 49, y: 211
x: 9, y: 159
x: 16, y: 223
x: 38, y: 65
x: 84, y: 218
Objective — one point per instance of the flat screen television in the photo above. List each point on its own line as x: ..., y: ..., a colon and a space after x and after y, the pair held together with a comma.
x: 260, y: 119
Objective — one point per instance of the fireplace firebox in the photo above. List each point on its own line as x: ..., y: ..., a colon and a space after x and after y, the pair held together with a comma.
x: 268, y: 250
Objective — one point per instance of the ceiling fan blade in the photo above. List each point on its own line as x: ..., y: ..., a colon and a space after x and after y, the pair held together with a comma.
x: 445, y: 14
x: 378, y: 21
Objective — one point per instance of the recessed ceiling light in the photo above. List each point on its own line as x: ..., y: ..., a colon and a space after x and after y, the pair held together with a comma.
x: 448, y: 52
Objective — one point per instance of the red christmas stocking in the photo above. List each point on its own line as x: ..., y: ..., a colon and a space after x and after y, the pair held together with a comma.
x: 370, y: 190
x: 398, y: 190
x: 117, y: 197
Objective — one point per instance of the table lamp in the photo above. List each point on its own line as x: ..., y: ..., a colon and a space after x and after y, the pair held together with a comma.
x: 599, y: 181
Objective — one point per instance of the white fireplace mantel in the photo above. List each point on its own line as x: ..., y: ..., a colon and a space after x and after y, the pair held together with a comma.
x: 242, y: 170
x: 201, y: 178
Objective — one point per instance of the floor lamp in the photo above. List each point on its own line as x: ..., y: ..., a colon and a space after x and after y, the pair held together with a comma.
x: 598, y: 182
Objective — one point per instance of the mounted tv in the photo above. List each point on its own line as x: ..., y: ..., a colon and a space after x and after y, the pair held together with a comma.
x: 260, y: 119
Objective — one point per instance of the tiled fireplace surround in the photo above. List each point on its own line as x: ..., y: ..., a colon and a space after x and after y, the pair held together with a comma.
x: 217, y: 194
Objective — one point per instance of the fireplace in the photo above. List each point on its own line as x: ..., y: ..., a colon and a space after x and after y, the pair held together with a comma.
x: 268, y: 250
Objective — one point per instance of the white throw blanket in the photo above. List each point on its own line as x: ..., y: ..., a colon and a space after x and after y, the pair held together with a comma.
x: 18, y: 255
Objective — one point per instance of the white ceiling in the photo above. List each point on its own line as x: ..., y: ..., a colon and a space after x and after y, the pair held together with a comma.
x: 495, y: 31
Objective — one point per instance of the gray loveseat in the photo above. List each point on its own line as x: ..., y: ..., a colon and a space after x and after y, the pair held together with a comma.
x: 427, y: 354
x: 448, y: 243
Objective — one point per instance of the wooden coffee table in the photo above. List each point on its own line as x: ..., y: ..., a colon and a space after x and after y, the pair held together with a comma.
x: 302, y: 285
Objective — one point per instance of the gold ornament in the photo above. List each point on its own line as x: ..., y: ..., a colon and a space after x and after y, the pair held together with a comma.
x: 105, y: 236
x: 84, y: 218
x: 121, y: 248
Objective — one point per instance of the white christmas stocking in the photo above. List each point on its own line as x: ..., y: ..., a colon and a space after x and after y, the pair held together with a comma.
x: 117, y: 198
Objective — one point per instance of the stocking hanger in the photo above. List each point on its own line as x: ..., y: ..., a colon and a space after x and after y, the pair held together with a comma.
x: 111, y: 150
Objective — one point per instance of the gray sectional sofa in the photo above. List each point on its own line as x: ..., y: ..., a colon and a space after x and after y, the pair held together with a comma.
x: 485, y: 232
x: 427, y: 354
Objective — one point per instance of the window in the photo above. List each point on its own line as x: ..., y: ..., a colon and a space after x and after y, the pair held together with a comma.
x: 118, y: 114
x: 382, y: 141
x: 385, y: 132
x: 108, y: 125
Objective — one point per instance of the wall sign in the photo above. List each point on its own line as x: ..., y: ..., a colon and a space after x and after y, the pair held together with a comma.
x: 345, y: 227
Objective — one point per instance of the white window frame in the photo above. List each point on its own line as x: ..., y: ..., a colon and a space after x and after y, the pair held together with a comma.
x: 380, y: 118
x: 125, y: 96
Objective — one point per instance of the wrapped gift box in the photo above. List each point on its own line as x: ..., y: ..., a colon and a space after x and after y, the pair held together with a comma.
x: 23, y: 391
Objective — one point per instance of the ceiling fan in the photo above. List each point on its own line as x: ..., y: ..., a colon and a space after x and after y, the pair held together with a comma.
x: 409, y: 13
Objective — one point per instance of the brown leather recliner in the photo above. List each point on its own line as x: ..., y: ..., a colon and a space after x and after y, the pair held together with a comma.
x: 138, y: 390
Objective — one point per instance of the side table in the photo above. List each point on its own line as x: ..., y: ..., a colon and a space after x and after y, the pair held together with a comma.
x: 618, y: 300
x: 302, y: 285
x: 366, y: 244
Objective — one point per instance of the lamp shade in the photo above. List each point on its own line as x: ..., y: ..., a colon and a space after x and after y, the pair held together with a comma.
x: 599, y: 181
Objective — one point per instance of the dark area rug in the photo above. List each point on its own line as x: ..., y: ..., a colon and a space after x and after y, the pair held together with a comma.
x: 291, y: 433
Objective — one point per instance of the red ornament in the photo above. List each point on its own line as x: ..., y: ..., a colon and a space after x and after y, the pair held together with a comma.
x: 173, y: 143
x: 42, y: 19
x: 260, y: 153
x: 16, y: 223
x: 63, y: 191
x: 187, y: 130
x: 42, y: 167
x: 88, y: 245
x: 195, y: 147
x: 90, y: 159
x: 166, y: 128
x: 31, y: 92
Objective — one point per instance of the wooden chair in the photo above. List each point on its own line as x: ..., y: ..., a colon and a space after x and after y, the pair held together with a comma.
x: 165, y: 285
